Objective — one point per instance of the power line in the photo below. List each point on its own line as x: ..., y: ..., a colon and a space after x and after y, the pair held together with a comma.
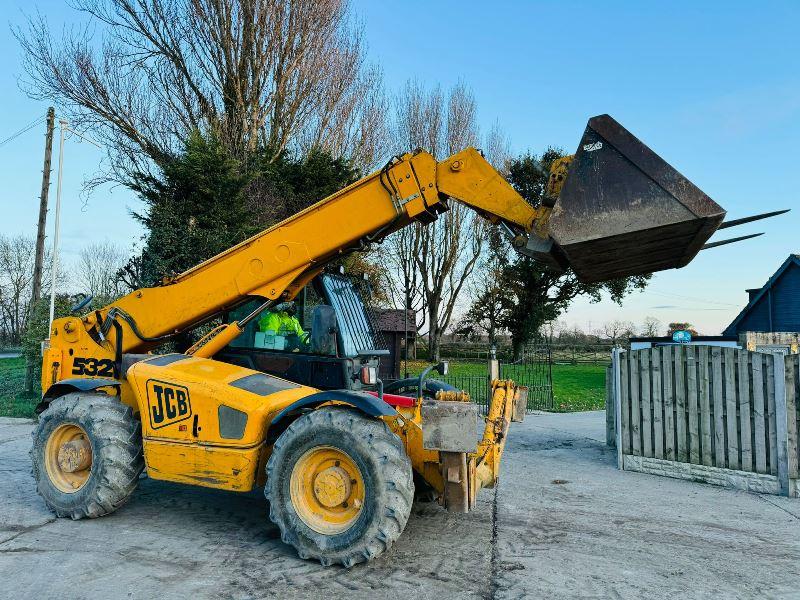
x: 695, y: 298
x: 28, y: 127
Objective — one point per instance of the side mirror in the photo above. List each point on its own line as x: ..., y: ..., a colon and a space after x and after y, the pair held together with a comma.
x: 443, y: 367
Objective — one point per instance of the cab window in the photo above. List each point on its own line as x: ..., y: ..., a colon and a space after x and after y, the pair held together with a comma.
x: 282, y: 331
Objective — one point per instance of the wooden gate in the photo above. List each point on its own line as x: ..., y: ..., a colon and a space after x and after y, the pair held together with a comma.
x: 721, y: 415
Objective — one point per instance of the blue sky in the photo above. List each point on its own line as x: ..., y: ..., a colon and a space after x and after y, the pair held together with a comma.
x: 713, y: 87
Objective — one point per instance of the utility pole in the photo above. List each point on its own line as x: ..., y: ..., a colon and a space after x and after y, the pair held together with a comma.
x: 62, y: 128
x: 40, y: 230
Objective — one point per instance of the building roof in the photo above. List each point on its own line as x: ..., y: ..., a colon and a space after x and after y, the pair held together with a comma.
x: 793, y: 260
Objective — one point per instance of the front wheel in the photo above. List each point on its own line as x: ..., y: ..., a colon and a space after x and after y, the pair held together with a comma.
x: 87, y: 455
x: 339, y: 486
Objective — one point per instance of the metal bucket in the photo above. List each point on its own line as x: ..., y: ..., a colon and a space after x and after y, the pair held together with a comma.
x: 624, y: 211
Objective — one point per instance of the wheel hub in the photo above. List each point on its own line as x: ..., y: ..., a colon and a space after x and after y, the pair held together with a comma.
x: 75, y: 456
x: 68, y: 457
x: 332, y: 486
x: 327, y: 490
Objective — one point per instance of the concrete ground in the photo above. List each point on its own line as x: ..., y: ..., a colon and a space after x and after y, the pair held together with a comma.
x: 563, y: 523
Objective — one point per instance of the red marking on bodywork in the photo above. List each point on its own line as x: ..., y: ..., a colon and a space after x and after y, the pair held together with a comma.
x: 396, y: 400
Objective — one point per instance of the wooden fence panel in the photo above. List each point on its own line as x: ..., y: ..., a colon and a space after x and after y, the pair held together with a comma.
x: 692, y: 401
x: 645, y: 402
x: 770, y: 422
x: 625, y: 408
x: 705, y: 405
x: 636, y: 411
x: 658, y: 406
x: 743, y: 376
x: 711, y: 406
x: 669, y: 403
x: 719, y: 408
x: 680, y: 403
x: 759, y: 416
x: 731, y: 407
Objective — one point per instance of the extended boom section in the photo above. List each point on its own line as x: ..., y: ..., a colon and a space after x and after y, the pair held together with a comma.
x: 276, y: 263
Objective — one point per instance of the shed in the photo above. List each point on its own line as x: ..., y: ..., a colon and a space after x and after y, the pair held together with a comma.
x: 771, y: 319
x: 398, y: 328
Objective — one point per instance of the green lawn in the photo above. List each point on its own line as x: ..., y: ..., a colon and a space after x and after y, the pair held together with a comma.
x: 12, y: 380
x: 575, y: 387
x: 579, y: 387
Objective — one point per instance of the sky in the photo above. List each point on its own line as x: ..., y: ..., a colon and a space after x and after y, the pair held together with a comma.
x: 712, y: 87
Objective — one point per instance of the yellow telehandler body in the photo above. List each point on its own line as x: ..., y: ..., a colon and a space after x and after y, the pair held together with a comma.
x: 338, y: 459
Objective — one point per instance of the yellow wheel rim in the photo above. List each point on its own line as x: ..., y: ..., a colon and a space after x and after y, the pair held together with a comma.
x: 327, y: 490
x: 68, y: 457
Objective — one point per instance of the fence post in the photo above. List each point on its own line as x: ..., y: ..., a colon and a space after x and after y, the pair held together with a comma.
x: 615, y: 358
x: 494, y: 371
x: 611, y: 434
x: 791, y: 425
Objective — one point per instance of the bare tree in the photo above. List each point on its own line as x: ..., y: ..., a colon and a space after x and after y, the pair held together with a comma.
x: 435, y: 261
x: 352, y: 125
x: 497, y: 149
x: 652, y: 327
x: 16, y: 279
x: 616, y: 331
x: 489, y: 303
x: 97, y: 271
x: 279, y: 73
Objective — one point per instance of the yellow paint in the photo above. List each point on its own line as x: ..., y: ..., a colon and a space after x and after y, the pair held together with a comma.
x: 189, y: 447
x: 495, y: 433
x: 207, y: 466
x: 558, y: 175
x: 327, y: 490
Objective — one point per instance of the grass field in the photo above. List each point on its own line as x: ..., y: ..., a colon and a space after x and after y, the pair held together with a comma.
x: 579, y: 387
x: 12, y: 380
x: 575, y: 387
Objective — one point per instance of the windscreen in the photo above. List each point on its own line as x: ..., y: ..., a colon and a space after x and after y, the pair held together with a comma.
x: 355, y: 329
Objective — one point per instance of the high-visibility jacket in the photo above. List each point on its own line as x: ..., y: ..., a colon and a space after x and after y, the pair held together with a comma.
x: 281, y: 323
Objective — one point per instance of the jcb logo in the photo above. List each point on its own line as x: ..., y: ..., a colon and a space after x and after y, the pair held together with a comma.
x: 169, y: 403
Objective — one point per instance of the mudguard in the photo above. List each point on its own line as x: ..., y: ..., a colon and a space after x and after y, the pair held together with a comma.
x: 76, y: 384
x: 362, y: 401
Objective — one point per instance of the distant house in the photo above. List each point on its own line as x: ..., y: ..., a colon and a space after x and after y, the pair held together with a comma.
x: 397, y: 329
x: 771, y: 319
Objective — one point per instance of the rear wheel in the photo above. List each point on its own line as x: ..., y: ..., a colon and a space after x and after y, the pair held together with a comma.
x: 87, y: 455
x: 339, y: 486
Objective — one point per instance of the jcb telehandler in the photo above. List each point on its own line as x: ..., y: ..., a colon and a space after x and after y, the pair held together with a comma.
x: 338, y: 459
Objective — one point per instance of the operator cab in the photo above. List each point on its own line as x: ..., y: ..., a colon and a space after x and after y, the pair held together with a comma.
x: 323, y: 341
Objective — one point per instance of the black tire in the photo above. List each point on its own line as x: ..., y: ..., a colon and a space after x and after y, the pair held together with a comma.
x: 388, y: 483
x: 116, y: 442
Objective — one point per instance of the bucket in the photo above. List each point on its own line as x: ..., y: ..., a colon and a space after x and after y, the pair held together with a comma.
x: 624, y: 211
